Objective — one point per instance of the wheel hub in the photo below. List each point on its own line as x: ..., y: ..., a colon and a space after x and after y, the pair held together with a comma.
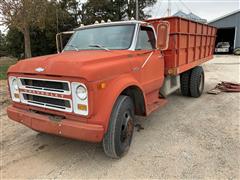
x: 127, y: 128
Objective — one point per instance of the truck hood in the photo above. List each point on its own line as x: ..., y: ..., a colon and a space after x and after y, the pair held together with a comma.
x: 90, y: 65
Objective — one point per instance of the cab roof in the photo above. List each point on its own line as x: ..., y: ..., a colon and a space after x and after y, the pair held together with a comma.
x: 111, y: 24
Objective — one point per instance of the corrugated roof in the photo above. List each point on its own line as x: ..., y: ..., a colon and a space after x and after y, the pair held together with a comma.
x: 224, y: 16
x: 190, y: 16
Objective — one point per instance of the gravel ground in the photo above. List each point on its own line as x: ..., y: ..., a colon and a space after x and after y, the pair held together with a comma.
x: 188, y: 138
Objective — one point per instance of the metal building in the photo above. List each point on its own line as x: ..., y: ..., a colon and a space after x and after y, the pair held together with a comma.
x: 228, y: 29
x: 190, y: 16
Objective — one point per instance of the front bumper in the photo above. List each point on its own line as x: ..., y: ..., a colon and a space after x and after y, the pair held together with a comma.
x: 221, y: 50
x: 65, y: 128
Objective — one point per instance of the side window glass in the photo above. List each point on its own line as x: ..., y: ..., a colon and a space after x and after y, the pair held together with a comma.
x: 146, y: 39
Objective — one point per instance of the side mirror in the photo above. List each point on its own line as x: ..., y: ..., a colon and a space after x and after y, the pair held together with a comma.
x: 163, y: 31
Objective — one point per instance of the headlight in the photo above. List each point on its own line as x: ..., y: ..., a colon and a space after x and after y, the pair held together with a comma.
x: 14, y: 89
x: 14, y: 85
x: 80, y: 98
x: 81, y: 92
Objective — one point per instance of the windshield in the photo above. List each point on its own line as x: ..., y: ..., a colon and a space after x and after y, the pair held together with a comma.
x: 106, y: 38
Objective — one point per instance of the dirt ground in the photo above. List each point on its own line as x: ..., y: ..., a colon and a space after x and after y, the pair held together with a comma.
x: 188, y: 138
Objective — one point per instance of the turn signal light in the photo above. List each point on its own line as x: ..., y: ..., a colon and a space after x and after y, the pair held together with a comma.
x: 102, y: 85
x: 16, y: 95
x: 82, y: 107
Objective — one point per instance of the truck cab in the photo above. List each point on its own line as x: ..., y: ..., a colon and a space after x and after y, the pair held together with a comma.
x: 105, y: 75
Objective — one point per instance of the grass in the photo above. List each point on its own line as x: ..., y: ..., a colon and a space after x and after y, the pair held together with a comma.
x: 3, y: 71
x: 5, y: 63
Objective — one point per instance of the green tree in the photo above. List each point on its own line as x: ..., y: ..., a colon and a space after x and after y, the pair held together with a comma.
x: 15, y: 42
x: 24, y: 14
x: 43, y: 40
x: 142, y: 5
x: 65, y: 15
x: 115, y: 10
x: 73, y: 8
x: 3, y: 49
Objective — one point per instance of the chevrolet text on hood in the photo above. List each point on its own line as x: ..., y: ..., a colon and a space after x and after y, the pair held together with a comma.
x: 106, y: 74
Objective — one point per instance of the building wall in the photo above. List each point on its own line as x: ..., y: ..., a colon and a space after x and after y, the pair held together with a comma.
x: 230, y: 21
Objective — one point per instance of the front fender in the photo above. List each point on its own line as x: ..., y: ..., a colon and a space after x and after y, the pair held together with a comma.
x: 106, y: 98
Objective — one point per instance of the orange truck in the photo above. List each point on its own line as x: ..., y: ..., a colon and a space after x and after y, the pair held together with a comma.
x: 108, y: 73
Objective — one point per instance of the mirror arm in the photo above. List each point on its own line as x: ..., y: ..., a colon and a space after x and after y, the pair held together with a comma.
x: 57, y: 43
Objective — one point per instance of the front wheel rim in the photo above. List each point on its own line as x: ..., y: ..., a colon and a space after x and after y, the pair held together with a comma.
x: 127, y: 129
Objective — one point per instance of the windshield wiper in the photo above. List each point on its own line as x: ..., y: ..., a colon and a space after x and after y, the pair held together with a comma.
x: 75, y: 47
x: 99, y: 46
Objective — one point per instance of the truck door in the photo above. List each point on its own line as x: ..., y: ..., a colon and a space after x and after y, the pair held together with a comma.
x: 149, y: 62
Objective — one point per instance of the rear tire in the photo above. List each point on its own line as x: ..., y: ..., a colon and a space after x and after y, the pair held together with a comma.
x: 117, y: 140
x: 197, y: 82
x: 185, y: 83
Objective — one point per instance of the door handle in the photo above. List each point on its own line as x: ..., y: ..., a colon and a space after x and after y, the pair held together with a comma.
x: 135, y: 69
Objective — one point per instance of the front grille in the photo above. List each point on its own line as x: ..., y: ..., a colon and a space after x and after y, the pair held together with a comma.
x: 50, y: 94
x: 47, y: 85
x: 47, y: 101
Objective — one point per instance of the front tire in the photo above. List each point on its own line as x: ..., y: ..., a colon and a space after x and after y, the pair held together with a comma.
x: 117, y: 140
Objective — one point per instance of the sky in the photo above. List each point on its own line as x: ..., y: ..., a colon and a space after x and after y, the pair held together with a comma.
x: 206, y: 9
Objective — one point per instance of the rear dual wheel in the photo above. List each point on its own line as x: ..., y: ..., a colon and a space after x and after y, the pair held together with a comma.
x: 192, y: 82
x: 118, y: 138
